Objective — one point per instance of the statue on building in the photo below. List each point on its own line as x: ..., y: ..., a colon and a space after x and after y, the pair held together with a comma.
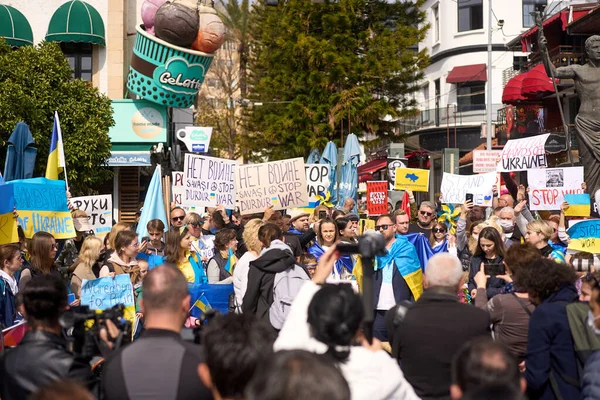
x: 587, y: 121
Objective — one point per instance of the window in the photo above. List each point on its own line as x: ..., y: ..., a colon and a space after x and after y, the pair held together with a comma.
x: 79, y: 56
x: 470, y: 97
x: 529, y: 7
x: 436, y: 23
x: 470, y: 15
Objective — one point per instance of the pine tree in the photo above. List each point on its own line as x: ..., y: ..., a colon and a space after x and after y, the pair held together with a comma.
x: 316, y: 66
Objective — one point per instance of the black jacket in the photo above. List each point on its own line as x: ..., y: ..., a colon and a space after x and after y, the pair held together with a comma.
x: 39, y: 360
x: 259, y: 292
x: 425, y: 341
x: 494, y: 285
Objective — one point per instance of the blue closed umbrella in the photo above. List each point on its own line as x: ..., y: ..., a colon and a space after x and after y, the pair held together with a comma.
x: 329, y: 156
x: 313, y: 157
x: 349, y: 179
x: 20, y: 156
x: 154, y: 206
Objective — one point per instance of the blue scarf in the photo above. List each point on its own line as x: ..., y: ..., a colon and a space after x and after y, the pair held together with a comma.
x: 344, y: 260
x: 199, y: 274
x: 295, y: 231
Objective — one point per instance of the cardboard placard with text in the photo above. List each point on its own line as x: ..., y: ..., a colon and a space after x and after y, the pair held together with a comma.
x: 547, y: 187
x: 208, y: 181
x: 524, y: 154
x: 413, y: 179
x: 455, y: 188
x: 317, y: 181
x: 99, y: 210
x: 278, y: 183
x: 485, y: 160
x: 377, y: 197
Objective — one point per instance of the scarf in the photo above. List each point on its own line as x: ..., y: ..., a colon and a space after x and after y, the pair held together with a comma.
x: 295, y: 231
x: 345, y: 260
x: 12, y: 282
x: 404, y: 255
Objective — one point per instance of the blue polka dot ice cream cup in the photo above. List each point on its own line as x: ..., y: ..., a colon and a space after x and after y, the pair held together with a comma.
x: 166, y: 74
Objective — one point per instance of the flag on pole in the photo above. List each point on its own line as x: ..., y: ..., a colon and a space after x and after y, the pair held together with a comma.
x: 56, y: 156
x: 154, y: 206
x: 202, y: 304
x: 231, y: 261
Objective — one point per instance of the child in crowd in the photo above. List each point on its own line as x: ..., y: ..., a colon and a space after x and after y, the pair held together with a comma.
x: 137, y: 277
x: 156, y: 229
x: 310, y: 262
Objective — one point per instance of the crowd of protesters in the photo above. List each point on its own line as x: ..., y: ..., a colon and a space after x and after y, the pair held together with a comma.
x: 477, y: 307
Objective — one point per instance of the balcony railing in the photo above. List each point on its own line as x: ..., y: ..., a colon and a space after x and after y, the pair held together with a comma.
x: 561, y: 56
x: 449, y: 116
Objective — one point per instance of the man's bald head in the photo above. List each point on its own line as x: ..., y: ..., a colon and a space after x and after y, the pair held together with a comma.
x: 164, y: 289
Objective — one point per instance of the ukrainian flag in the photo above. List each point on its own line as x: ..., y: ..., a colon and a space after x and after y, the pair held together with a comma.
x: 405, y: 258
x: 231, y: 261
x: 202, y: 304
x: 579, y: 205
x: 56, y: 156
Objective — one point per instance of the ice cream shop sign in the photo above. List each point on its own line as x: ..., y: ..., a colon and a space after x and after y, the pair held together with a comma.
x: 178, y: 76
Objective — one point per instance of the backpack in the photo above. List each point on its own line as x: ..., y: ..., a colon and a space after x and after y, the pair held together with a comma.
x: 585, y: 341
x: 286, y: 286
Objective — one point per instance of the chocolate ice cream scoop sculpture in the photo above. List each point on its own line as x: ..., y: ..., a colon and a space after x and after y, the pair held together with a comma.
x: 173, y: 51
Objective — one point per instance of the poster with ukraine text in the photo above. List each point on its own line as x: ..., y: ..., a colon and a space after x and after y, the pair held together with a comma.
x: 42, y: 206
x: 8, y: 223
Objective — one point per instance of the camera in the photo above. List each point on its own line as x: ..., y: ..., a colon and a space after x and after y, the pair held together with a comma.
x: 85, y: 325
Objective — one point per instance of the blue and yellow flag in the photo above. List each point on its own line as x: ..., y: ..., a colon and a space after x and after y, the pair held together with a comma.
x: 56, y: 156
x: 404, y: 256
x: 202, y: 304
x: 231, y: 261
x: 579, y: 205
x: 585, y: 236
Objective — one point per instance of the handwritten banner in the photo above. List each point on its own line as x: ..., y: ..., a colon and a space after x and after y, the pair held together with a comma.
x: 585, y: 236
x: 317, y: 181
x: 456, y: 187
x: 104, y: 293
x: 8, y: 223
x: 524, y: 154
x: 208, y: 181
x: 485, y: 160
x: 99, y: 211
x: 413, y: 179
x: 547, y: 187
x: 178, y: 191
x: 377, y: 197
x: 42, y: 206
x: 280, y: 183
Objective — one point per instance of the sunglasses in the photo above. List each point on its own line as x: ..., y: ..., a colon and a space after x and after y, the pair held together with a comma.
x: 426, y: 213
x: 384, y: 227
x: 438, y: 230
x: 178, y: 218
x: 194, y: 225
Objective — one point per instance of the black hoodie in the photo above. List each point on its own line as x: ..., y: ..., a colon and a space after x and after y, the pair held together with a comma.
x: 259, y: 292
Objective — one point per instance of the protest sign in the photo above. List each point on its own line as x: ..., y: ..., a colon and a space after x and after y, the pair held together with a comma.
x: 278, y: 183
x: 392, y: 165
x: 547, y: 187
x: 317, y: 181
x: 524, y: 154
x: 377, y: 197
x: 208, y: 181
x: 579, y: 205
x: 42, y: 206
x: 585, y: 236
x: 104, y: 293
x: 178, y: 191
x: 8, y: 223
x: 485, y: 160
x: 413, y: 179
x: 366, y: 225
x: 99, y: 211
x: 455, y: 187
x: 13, y: 335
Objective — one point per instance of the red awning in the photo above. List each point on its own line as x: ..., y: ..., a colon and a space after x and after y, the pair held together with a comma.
x: 468, y: 73
x: 372, y: 166
x: 536, y: 81
x: 512, y: 91
x: 562, y: 16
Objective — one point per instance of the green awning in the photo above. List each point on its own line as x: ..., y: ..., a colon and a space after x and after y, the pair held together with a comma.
x: 14, y: 27
x: 76, y: 21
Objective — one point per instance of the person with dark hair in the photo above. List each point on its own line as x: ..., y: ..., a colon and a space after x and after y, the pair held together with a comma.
x: 327, y: 236
x: 345, y: 230
x: 483, y: 362
x: 425, y: 335
x: 510, y: 312
x: 63, y: 390
x: 10, y: 262
x: 159, y: 365
x: 235, y: 346
x: 220, y: 266
x: 274, y: 258
x: 179, y: 241
x: 490, y: 250
x: 590, y: 381
x: 123, y: 259
x: 551, y: 364
x: 42, y: 252
x: 43, y: 356
x: 298, y: 375
x: 494, y: 392
x: 327, y: 318
x: 154, y: 241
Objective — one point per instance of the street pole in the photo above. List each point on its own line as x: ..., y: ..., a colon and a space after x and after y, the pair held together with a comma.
x: 489, y: 80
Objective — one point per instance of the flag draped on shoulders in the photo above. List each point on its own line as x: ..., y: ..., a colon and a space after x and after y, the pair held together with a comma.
x: 423, y: 248
x: 56, y: 155
x: 345, y: 260
x: 404, y: 256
